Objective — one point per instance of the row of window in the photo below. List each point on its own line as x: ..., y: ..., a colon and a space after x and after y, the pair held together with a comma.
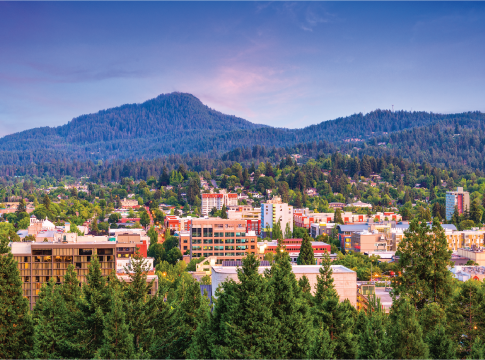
x: 239, y: 247
x: 222, y: 241
x: 219, y: 254
x: 196, y: 232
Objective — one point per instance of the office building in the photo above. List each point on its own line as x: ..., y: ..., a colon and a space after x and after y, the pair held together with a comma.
x: 226, y: 239
x: 459, y: 199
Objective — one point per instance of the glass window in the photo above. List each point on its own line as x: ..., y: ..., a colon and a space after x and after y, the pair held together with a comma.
x: 85, y: 251
x: 229, y: 241
x: 207, y: 232
x: 229, y: 247
x: 208, y: 241
x: 196, y: 232
x: 229, y: 234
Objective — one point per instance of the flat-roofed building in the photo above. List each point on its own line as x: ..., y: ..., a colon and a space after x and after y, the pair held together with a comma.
x: 459, y: 199
x: 210, y: 201
x: 292, y: 246
x: 274, y: 211
x: 226, y: 239
x: 38, y: 262
x: 345, y: 280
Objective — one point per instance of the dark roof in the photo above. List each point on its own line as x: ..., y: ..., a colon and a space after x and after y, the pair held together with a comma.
x: 357, y: 227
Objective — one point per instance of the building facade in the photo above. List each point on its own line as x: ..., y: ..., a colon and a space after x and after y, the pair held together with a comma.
x: 458, y: 198
x: 210, y: 201
x: 274, y: 211
x: 38, y: 262
x: 226, y: 239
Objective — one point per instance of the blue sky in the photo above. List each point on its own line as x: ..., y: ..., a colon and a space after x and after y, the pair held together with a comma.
x: 288, y: 64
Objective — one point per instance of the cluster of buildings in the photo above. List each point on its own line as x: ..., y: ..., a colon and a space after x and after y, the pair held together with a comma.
x: 55, y: 248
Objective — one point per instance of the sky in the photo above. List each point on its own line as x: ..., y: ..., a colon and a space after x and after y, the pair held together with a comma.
x: 285, y: 64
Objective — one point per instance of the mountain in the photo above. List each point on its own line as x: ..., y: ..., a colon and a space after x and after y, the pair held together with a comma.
x: 178, y: 123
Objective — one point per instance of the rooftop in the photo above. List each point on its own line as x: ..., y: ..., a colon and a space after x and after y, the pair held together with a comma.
x: 297, y: 269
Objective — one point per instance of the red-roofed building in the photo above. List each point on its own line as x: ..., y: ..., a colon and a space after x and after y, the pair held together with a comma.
x: 292, y: 246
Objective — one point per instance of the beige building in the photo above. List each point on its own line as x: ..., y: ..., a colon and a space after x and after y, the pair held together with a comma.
x: 476, y: 254
x: 210, y: 201
x: 129, y: 203
x: 345, y: 280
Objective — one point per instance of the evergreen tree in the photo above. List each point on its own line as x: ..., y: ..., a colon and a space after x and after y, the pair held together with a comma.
x: 243, y: 325
x: 95, y: 303
x: 276, y: 232
x: 338, y: 216
x: 372, y: 339
x: 440, y: 344
x: 475, y: 212
x: 291, y: 309
x: 405, y: 336
x: 455, y: 219
x: 15, y: 321
x: 306, y: 257
x: 224, y: 212
x: 46, y: 201
x: 94, y: 227
x: 477, y: 350
x: 200, y: 346
x: 424, y: 258
x: 53, y: 324
x: 144, y: 219
x: 338, y: 317
x: 117, y: 342
x: 70, y: 290
x: 137, y: 300
x: 322, y: 347
x: 288, y: 232
x: 183, y: 323
x: 467, y: 315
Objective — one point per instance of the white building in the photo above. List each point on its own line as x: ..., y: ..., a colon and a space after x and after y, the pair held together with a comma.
x: 210, y: 201
x: 274, y: 211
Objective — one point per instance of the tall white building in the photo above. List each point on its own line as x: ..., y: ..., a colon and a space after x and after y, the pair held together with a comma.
x: 210, y: 201
x: 274, y: 211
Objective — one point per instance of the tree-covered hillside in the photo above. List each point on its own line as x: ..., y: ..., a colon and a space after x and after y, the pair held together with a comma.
x: 179, y: 123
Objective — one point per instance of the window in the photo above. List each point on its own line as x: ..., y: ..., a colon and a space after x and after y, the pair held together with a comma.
x: 78, y: 265
x: 229, y: 248
x: 185, y: 247
x: 196, y: 232
x: 208, y: 241
x: 241, y: 247
x: 26, y: 258
x: 241, y: 241
x: 207, y: 248
x: 207, y: 232
x: 229, y: 234
x: 86, y: 252
x: 101, y: 258
x: 105, y: 251
x: 27, y: 279
x: 229, y: 241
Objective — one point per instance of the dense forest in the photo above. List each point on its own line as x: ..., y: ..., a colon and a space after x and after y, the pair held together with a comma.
x: 179, y: 124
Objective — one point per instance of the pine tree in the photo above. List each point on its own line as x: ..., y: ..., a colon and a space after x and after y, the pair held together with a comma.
x: 372, y: 339
x: 291, y: 309
x: 136, y: 304
x: 183, y: 323
x: 224, y: 212
x: 53, y: 323
x: 467, y: 315
x: 70, y: 289
x: 15, y: 321
x: 338, y: 217
x: 424, y: 258
x: 475, y: 212
x: 440, y: 344
x: 200, y: 346
x: 94, y: 305
x: 338, y: 317
x: 288, y: 232
x: 455, y: 219
x: 323, y: 347
x: 405, y: 336
x: 117, y: 342
x: 306, y: 257
x: 477, y: 350
x: 243, y: 325
x: 46, y: 201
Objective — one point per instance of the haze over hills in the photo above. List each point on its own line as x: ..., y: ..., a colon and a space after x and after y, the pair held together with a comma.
x: 178, y: 123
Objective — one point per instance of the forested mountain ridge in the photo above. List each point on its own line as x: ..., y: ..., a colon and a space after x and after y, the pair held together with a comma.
x: 179, y: 123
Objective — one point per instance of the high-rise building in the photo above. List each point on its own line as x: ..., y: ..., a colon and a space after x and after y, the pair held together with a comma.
x: 458, y: 198
x: 210, y: 201
x: 226, y: 239
x: 273, y: 211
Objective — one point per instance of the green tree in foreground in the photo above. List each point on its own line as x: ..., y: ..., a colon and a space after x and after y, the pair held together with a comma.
x: 423, y: 261
x: 15, y: 321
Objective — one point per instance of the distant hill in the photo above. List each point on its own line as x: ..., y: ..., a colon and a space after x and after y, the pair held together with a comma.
x: 178, y: 123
